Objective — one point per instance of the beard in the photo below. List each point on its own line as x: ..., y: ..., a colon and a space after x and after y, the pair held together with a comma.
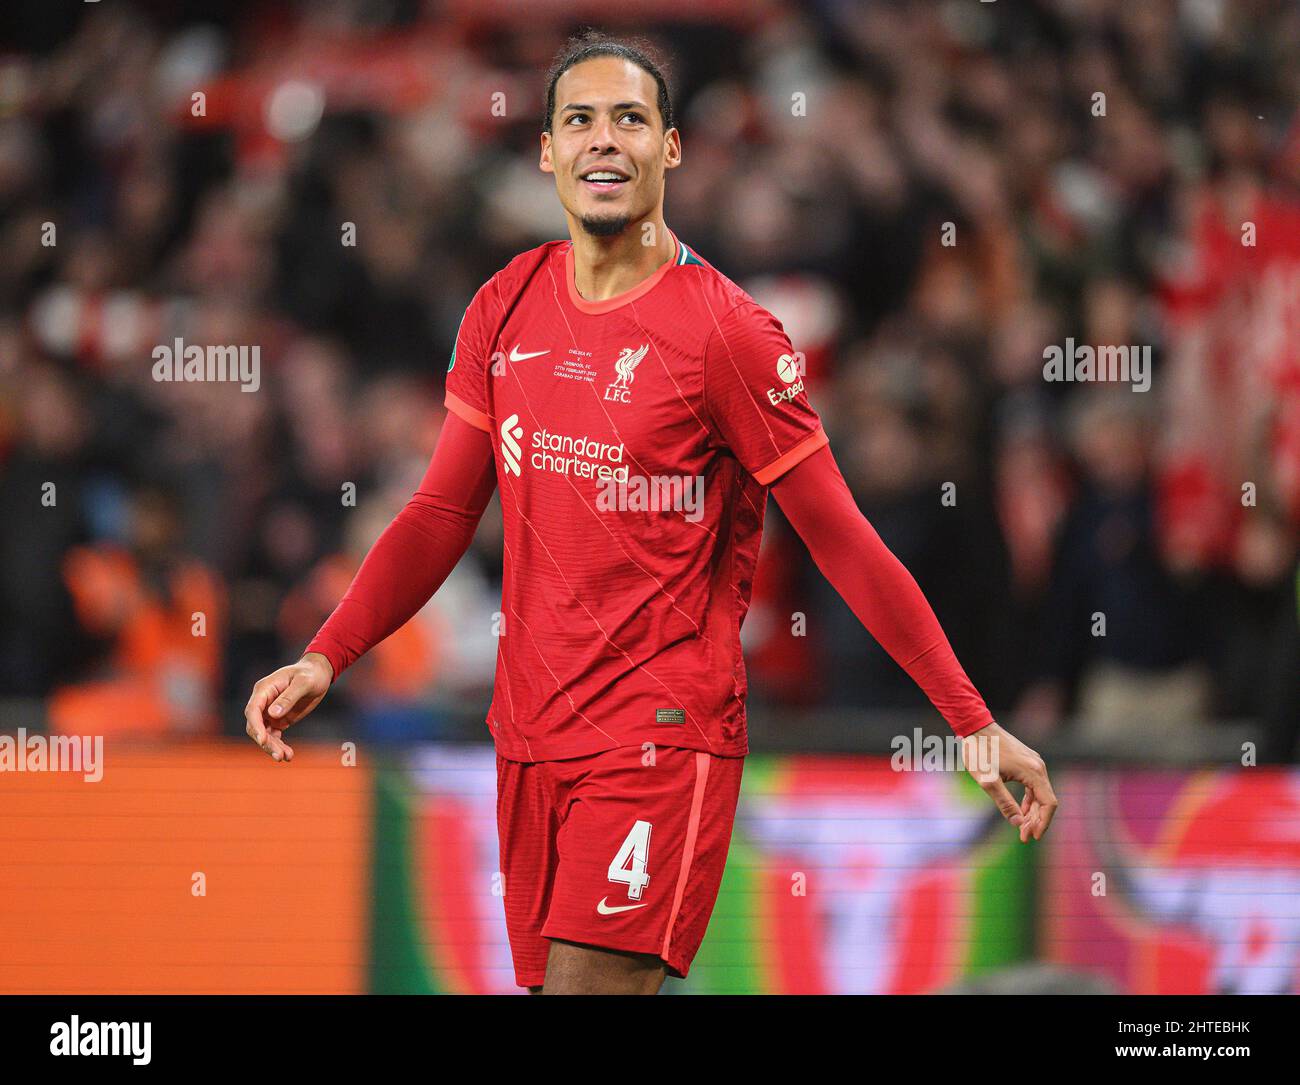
x: 605, y: 226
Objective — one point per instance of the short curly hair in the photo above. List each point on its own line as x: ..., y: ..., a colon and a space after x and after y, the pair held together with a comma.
x: 594, y: 43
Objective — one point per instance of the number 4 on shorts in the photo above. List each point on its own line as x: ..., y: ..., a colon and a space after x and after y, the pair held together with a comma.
x: 629, y: 864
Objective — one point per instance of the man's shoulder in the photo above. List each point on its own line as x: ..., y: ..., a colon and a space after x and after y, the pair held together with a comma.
x: 701, y: 284
x: 512, y: 278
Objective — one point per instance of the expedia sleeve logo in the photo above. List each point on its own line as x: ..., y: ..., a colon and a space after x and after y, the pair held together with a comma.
x: 790, y: 368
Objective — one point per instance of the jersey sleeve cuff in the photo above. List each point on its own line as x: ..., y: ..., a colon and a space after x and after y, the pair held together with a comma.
x: 475, y: 418
x: 966, y: 727
x: 327, y: 648
x: 779, y: 466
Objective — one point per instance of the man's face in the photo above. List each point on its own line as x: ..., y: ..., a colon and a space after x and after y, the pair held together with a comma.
x: 606, y: 122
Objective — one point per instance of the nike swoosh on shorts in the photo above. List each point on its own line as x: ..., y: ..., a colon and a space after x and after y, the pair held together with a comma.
x: 606, y: 909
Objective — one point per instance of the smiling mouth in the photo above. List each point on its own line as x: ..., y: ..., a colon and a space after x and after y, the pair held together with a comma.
x: 604, y: 180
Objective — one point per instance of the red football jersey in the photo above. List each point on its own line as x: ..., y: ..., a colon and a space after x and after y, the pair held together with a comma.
x: 635, y: 440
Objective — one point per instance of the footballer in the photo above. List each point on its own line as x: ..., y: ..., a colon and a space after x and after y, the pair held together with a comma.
x: 618, y: 711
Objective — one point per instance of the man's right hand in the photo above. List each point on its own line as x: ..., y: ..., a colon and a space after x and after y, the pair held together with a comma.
x: 284, y: 697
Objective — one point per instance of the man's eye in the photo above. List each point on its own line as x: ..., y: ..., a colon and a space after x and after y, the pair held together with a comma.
x: 582, y: 117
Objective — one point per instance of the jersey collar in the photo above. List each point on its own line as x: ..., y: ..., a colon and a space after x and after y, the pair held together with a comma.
x: 595, y: 308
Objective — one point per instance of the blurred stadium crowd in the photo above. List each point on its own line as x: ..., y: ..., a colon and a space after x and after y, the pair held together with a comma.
x: 133, y: 213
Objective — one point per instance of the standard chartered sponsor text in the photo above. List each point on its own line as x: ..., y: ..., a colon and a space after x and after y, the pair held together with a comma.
x: 581, y: 457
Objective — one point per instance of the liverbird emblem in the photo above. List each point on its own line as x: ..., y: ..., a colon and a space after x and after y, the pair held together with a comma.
x: 625, y: 366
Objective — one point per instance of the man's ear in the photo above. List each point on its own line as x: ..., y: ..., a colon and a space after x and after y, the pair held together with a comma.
x: 545, y: 163
x: 673, y: 158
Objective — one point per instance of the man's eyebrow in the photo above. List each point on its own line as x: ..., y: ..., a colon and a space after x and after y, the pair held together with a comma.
x: 592, y: 108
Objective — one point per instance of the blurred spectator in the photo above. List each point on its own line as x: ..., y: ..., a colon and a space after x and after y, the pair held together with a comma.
x: 1117, y: 625
x: 158, y: 616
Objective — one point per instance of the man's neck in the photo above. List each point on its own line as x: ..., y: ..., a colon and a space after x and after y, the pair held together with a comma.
x: 604, y: 267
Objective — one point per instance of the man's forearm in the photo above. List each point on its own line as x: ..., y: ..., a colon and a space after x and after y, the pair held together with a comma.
x: 417, y: 551
x: 877, y: 587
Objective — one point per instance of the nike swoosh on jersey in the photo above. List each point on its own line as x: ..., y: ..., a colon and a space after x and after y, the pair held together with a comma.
x: 515, y: 356
x: 606, y: 909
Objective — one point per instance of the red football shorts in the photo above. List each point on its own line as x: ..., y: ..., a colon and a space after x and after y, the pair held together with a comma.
x: 613, y: 851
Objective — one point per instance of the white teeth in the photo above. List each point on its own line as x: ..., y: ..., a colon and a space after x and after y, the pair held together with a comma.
x: 603, y: 177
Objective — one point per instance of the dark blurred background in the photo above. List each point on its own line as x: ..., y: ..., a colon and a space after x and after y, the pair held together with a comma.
x: 196, y: 535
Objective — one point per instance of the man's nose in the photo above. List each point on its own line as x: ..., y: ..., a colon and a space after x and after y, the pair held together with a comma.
x: 604, y: 135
